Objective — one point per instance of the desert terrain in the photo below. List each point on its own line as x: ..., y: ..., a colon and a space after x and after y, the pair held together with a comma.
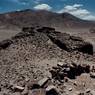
x: 45, y: 53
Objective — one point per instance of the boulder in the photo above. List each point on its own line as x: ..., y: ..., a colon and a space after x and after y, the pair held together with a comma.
x: 51, y: 90
x: 60, y: 64
x: 92, y: 74
x: 37, y: 92
x: 4, y: 44
x: 88, y: 90
x: 50, y: 87
x: 46, y: 29
x: 43, y: 81
x: 69, y: 70
x: 71, y: 43
x: 66, y: 41
x: 27, y: 29
x: 70, y: 89
x: 33, y: 85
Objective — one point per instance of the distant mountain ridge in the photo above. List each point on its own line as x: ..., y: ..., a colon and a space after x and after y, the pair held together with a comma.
x: 44, y: 18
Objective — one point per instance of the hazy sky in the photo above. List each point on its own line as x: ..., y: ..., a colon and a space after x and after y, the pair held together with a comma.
x: 81, y: 8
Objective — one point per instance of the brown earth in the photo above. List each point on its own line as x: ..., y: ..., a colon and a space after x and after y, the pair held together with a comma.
x: 31, y: 54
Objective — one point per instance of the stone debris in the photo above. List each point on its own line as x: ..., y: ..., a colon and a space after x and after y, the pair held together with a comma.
x: 92, y: 74
x: 33, y: 85
x: 29, y: 48
x: 50, y: 87
x: 43, y: 81
x: 37, y: 92
x: 25, y: 91
x: 51, y: 90
x: 75, y: 83
x: 88, y: 90
x: 70, y: 89
x: 70, y: 43
x: 69, y: 70
x: 67, y: 42
x: 60, y: 63
x: 17, y: 88
x: 62, y: 40
x: 35, y: 88
x: 4, y: 44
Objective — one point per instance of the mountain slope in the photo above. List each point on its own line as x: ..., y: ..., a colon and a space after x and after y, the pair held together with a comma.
x: 46, y: 18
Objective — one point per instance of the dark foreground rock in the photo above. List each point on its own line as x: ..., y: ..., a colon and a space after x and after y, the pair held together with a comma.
x: 4, y: 44
x: 37, y: 90
x: 71, y: 43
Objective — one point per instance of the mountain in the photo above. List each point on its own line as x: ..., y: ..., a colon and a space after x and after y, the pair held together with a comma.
x: 44, y: 18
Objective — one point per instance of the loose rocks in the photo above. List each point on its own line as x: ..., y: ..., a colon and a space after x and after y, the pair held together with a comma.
x: 69, y: 70
x: 37, y: 92
x: 43, y: 81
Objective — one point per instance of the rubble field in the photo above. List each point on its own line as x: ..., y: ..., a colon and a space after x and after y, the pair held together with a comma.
x: 42, y: 61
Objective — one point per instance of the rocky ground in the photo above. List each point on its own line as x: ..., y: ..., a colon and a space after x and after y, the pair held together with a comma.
x: 42, y: 61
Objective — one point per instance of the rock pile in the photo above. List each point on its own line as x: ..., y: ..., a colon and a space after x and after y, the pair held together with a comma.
x: 70, y: 43
x: 69, y: 70
x: 41, y: 87
x: 62, y: 40
x: 32, y: 54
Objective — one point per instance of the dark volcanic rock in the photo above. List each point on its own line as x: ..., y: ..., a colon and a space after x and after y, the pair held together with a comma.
x: 46, y: 30
x: 69, y: 70
x: 4, y: 44
x: 92, y: 74
x: 25, y: 29
x: 37, y: 92
x: 51, y: 90
x: 67, y: 42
